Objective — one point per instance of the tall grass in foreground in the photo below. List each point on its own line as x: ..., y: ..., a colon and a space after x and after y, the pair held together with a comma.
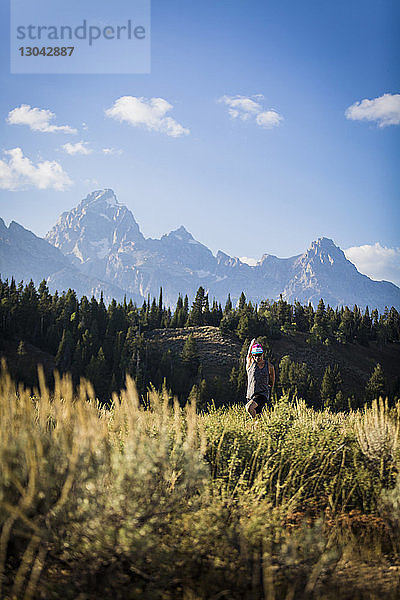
x: 165, y: 503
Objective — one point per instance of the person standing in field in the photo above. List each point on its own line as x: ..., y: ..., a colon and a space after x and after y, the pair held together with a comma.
x: 260, y: 379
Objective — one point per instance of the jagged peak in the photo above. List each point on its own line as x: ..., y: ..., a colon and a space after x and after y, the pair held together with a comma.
x: 18, y: 231
x: 182, y: 229
x: 101, y: 207
x: 222, y: 256
x: 14, y: 226
x: 267, y: 257
x: 229, y: 261
x: 106, y: 195
x: 324, y: 243
x: 325, y: 247
x: 181, y: 233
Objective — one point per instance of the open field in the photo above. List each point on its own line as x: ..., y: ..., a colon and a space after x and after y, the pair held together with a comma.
x: 161, y: 502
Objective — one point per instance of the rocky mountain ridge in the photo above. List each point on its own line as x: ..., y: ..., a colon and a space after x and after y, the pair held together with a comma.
x: 98, y: 245
x: 25, y: 256
x: 104, y: 239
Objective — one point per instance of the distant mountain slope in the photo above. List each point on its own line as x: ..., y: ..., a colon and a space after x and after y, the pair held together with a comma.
x: 25, y: 256
x: 98, y: 246
x: 323, y: 271
x: 103, y: 240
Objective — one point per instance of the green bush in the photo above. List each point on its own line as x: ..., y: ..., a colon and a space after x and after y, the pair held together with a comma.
x: 165, y: 503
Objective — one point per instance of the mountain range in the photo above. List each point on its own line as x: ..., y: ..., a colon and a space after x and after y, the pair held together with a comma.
x: 98, y: 246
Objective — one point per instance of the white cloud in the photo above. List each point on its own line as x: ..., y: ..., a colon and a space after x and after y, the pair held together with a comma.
x: 385, y: 110
x: 150, y: 113
x: 241, y: 107
x: 376, y: 261
x: 112, y: 151
x: 19, y: 173
x: 37, y: 119
x: 269, y: 118
x: 78, y: 148
x: 249, y: 108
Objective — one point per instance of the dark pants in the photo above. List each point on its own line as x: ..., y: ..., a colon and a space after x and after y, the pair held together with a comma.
x: 261, y: 401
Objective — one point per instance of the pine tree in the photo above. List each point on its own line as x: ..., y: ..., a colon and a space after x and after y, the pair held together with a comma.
x: 176, y: 316
x: 215, y: 314
x: 345, y: 331
x: 206, y: 312
x: 129, y: 358
x: 154, y: 315
x: 228, y: 305
x: 28, y: 316
x: 242, y: 301
x: 331, y: 394
x: 284, y: 374
x: 143, y: 317
x: 364, y: 329
x: 189, y: 355
x: 86, y: 347
x: 319, y: 330
x: 196, y: 317
x: 284, y: 312
x: 296, y: 379
x: 65, y: 351
x: 44, y: 309
x: 392, y: 321
x: 77, y: 366
x: 199, y: 394
x: 98, y: 373
x: 300, y: 317
x: 160, y: 308
x: 185, y: 312
x: 85, y: 314
x: 309, y: 315
x: 166, y: 318
x: 247, y: 325
x: 376, y: 386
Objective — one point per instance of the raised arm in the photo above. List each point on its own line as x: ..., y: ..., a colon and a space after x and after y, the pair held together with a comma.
x: 248, y: 359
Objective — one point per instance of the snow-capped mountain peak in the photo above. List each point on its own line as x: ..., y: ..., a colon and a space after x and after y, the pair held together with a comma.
x: 106, y: 196
x: 94, y: 232
x: 181, y: 234
x: 103, y: 240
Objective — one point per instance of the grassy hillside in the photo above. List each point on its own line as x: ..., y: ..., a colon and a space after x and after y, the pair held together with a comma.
x: 195, y: 350
x: 355, y: 361
x: 163, y: 503
x: 219, y: 352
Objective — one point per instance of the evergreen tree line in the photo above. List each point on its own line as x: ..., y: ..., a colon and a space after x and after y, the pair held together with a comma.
x: 324, y: 325
x: 106, y: 343
x: 297, y: 380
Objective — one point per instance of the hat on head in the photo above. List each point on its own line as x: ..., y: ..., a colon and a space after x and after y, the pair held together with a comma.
x: 256, y: 349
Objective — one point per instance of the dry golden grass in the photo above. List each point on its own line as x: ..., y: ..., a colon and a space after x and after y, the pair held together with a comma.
x: 158, y: 501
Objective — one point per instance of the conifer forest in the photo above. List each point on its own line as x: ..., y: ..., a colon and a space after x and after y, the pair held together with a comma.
x: 129, y: 468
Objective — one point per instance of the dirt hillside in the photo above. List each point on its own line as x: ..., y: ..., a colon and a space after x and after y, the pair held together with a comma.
x: 219, y: 352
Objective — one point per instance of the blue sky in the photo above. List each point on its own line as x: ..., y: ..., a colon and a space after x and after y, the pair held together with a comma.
x: 249, y: 147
